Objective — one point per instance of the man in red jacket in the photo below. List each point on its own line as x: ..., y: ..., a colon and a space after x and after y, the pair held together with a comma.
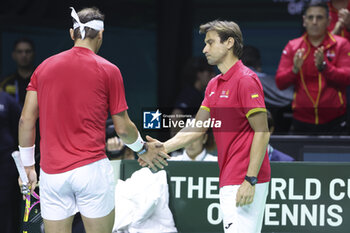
x: 318, y: 65
x: 339, y: 11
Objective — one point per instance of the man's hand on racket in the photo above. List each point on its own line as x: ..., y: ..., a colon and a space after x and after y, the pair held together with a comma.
x: 32, y: 178
x: 156, y: 156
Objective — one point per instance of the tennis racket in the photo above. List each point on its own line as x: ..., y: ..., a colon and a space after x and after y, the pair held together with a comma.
x: 32, y: 220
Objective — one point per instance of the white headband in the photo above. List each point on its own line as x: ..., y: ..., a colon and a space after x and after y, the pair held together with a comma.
x: 94, y: 24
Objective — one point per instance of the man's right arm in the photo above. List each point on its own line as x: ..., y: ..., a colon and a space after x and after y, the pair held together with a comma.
x: 26, y: 135
x: 285, y: 76
x: 187, y: 135
x: 124, y: 127
x: 128, y: 132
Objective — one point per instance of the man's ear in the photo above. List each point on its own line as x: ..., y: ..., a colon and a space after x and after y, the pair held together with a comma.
x: 230, y: 42
x: 100, y: 34
x: 304, y: 18
x: 71, y: 33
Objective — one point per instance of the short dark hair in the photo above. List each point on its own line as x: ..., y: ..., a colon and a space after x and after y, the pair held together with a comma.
x: 85, y: 15
x: 316, y: 3
x: 226, y: 29
x: 23, y: 40
x: 251, y: 56
x: 193, y: 66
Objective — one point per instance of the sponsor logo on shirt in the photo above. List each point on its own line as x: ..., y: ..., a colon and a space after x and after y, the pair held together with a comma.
x: 211, y: 93
x: 224, y: 94
x: 330, y: 54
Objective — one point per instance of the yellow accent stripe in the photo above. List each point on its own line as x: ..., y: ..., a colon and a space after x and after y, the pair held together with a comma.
x: 315, y: 103
x: 205, y: 108
x: 294, y: 101
x: 255, y: 96
x: 254, y: 110
x: 331, y: 36
x: 340, y: 98
x: 349, y: 54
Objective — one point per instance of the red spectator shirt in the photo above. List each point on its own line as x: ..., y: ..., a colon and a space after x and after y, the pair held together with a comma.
x: 320, y: 97
x: 333, y: 13
x: 231, y: 98
x: 75, y: 89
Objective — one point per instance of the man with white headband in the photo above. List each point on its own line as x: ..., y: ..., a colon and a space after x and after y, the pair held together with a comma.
x: 71, y: 93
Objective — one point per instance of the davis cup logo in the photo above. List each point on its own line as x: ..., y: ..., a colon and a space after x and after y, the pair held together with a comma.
x: 151, y: 120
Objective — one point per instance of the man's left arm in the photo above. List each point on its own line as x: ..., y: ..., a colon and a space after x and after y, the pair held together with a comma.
x: 338, y: 73
x: 258, y: 122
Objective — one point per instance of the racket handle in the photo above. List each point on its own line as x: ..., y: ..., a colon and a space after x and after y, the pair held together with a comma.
x: 20, y: 168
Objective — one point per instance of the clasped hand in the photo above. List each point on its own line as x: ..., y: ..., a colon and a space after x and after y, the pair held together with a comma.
x: 155, y: 157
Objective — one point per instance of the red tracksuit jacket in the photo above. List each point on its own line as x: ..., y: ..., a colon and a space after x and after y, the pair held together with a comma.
x: 333, y: 13
x: 319, y: 97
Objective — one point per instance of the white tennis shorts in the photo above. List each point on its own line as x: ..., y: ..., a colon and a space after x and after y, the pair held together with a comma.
x: 88, y: 189
x: 243, y: 219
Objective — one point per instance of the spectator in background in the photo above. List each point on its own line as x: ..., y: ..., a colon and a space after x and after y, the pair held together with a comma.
x: 117, y: 150
x: 115, y: 147
x: 278, y: 102
x: 318, y: 65
x: 198, y: 149
x: 16, y: 83
x: 339, y: 12
x: 274, y: 154
x: 10, y: 196
x: 196, y: 74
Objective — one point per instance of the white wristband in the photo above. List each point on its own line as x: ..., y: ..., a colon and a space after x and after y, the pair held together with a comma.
x: 27, y: 155
x: 137, y: 145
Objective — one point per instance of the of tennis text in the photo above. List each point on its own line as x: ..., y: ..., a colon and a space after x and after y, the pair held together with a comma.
x: 316, y: 203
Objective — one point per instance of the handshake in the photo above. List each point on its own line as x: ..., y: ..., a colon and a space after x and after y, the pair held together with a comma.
x: 153, y: 155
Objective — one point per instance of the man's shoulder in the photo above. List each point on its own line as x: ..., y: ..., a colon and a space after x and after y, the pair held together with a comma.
x: 296, y: 42
x: 211, y: 158
x: 8, y: 78
x: 177, y: 158
x: 105, y: 64
x: 340, y: 39
x: 247, y: 75
x: 213, y: 80
x: 7, y: 84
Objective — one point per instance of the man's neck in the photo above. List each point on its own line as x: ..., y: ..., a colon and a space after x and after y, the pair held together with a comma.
x: 86, y: 44
x: 228, y: 62
x: 316, y: 40
x: 25, y: 72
